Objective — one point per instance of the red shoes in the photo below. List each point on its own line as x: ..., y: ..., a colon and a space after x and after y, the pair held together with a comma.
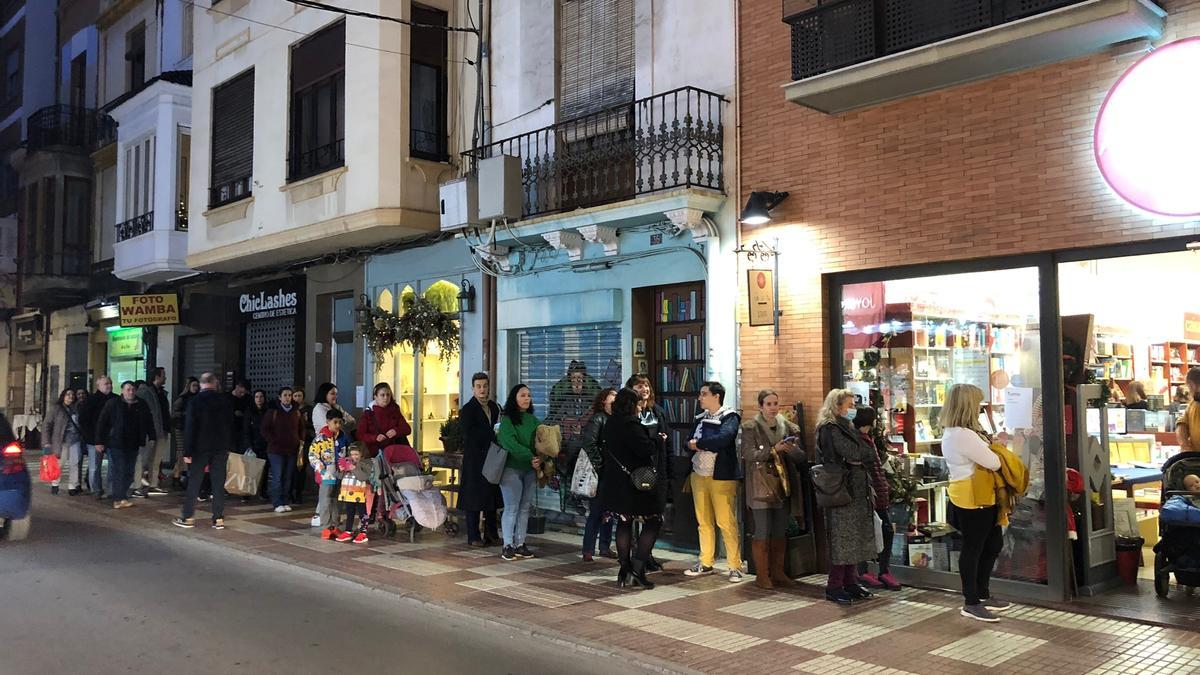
x: 360, y: 538
x: 344, y: 537
x: 330, y: 533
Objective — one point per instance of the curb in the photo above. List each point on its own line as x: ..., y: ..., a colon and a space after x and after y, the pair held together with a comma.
x: 525, y: 629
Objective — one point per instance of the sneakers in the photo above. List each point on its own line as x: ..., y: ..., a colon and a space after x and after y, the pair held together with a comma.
x: 698, y: 570
x: 979, y: 613
x: 315, y: 522
x: 156, y: 491
x: 186, y: 523
x: 53, y: 489
x: 994, y: 605
x: 286, y: 507
x: 523, y: 551
x: 329, y: 533
x: 122, y: 504
x: 736, y: 576
x: 218, y: 523
x: 137, y: 494
x: 281, y: 509
x: 587, y: 557
x: 508, y: 553
x: 889, y: 582
x: 360, y: 538
x: 870, y: 580
x: 203, y: 497
x: 344, y: 537
x: 74, y: 492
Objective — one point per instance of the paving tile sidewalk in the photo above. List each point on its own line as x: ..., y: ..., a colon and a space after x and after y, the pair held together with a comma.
x: 705, y: 624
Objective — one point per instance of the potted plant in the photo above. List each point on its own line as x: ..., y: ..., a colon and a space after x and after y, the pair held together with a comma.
x: 904, y: 494
x: 451, y: 434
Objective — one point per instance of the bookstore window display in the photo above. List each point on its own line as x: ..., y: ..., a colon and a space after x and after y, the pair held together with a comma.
x: 905, y: 343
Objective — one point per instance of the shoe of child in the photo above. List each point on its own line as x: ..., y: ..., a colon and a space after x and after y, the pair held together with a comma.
x: 870, y: 580
x: 344, y: 537
x: 360, y: 538
x: 889, y: 582
x: 329, y: 533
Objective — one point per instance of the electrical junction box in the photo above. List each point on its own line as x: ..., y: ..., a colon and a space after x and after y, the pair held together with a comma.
x: 501, y: 194
x: 459, y: 203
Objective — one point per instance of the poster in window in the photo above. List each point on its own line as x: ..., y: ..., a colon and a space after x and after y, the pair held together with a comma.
x: 762, y: 297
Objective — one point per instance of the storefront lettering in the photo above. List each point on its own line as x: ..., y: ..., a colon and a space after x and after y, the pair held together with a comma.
x: 263, y: 306
x: 149, y: 310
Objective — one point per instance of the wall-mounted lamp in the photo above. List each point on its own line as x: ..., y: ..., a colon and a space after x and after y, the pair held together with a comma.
x: 362, y: 313
x: 759, y: 205
x: 466, y: 297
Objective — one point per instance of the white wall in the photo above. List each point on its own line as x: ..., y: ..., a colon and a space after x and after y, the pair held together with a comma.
x: 38, y: 80
x: 85, y: 41
x: 112, y: 49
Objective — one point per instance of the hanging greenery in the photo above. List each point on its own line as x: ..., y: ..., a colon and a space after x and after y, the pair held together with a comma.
x: 420, y: 324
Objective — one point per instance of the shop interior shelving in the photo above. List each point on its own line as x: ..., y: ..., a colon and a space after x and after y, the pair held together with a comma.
x: 1113, y: 358
x: 679, y: 357
x: 1170, y: 361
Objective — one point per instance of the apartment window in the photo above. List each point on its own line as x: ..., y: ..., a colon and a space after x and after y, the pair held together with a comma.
x: 30, y: 227
x: 232, y: 140
x: 135, y: 57
x: 12, y: 74
x: 187, y: 29
x: 596, y: 55
x: 77, y: 224
x: 318, y: 93
x: 139, y: 178
x: 181, y: 180
x: 78, y: 86
x: 427, y: 86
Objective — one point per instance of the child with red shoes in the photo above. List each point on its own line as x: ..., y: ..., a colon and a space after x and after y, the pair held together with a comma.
x: 327, y: 448
x: 360, y: 480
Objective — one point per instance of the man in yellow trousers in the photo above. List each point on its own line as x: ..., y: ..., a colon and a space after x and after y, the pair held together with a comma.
x: 716, y: 473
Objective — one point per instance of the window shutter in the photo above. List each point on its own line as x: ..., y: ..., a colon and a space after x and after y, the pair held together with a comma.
x: 233, y: 129
x: 596, y: 55
x: 319, y: 56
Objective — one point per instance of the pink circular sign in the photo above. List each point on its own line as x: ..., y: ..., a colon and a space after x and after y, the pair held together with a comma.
x: 1147, y: 137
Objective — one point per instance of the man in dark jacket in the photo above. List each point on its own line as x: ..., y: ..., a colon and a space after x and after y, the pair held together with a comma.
x: 716, y: 473
x: 149, y: 459
x: 283, y: 430
x: 476, y: 495
x: 207, y: 437
x: 123, y: 427
x: 89, y: 412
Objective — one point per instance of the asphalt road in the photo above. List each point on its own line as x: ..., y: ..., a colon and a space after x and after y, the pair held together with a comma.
x: 81, y: 597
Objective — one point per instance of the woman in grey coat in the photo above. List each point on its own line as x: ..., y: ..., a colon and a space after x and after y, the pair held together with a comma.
x: 851, y: 528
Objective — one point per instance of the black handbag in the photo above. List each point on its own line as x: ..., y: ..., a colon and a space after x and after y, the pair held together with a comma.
x: 644, y: 478
x: 831, y: 485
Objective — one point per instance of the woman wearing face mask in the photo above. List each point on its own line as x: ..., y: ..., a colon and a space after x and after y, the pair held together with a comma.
x: 851, y: 527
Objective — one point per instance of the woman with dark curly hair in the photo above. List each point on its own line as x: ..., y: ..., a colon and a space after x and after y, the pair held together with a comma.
x: 629, y: 446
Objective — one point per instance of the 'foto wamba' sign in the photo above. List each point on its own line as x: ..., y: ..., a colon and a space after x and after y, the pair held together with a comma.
x: 154, y: 309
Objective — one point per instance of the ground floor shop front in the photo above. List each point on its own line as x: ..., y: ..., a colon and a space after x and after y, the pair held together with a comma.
x: 1081, y: 355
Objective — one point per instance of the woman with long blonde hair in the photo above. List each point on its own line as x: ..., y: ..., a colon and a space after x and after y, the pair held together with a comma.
x: 851, y: 527
x: 965, y: 448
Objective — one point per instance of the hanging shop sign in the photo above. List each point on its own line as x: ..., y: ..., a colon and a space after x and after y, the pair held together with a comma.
x: 27, y: 333
x: 762, y: 297
x: 863, y: 311
x: 269, y: 304
x: 1146, y: 141
x: 151, y: 309
x: 125, y: 343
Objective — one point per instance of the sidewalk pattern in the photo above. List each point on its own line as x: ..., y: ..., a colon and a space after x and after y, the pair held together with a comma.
x: 706, y: 623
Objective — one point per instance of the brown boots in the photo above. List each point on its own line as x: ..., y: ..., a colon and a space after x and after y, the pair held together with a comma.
x: 778, y: 550
x: 761, y: 549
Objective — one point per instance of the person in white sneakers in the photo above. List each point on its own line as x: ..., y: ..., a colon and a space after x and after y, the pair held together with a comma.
x: 716, y: 473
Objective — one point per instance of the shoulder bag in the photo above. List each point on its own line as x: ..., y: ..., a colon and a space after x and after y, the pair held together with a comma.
x: 493, y: 464
x: 644, y: 478
x: 831, y: 482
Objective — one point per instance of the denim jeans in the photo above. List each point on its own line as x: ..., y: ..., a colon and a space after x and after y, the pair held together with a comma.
x: 282, y: 468
x: 517, y: 488
x: 121, y: 461
x: 95, y: 471
x: 596, y: 526
x: 69, y: 461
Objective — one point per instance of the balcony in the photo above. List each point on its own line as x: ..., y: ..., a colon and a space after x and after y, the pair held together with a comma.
x: 850, y: 54
x: 63, y: 126
x: 150, y: 254
x: 673, y: 140
x: 55, y: 279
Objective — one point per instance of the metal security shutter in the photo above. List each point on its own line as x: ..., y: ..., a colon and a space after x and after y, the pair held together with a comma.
x: 545, y: 356
x: 271, y: 354
x: 233, y: 129
x: 596, y: 55
x: 199, y: 356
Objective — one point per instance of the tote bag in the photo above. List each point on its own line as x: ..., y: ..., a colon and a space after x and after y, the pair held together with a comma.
x: 493, y: 464
x: 243, y: 473
x: 584, y: 480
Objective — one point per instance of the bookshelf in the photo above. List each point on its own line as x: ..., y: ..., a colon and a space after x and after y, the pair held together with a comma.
x: 1170, y: 361
x: 679, y: 355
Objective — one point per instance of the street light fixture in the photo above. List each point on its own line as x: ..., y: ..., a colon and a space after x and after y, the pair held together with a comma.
x: 759, y: 205
x: 466, y: 297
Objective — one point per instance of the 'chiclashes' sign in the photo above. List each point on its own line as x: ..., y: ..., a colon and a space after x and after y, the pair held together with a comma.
x: 265, y: 305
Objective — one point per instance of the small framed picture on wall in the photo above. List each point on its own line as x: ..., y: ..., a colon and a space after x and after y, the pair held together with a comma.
x: 642, y: 366
x: 639, y: 346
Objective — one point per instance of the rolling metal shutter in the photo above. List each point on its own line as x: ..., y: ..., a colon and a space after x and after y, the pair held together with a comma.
x: 596, y: 56
x: 233, y: 129
x: 271, y: 354
x: 199, y: 356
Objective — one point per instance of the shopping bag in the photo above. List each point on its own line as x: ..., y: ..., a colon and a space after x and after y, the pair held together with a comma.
x: 242, y: 474
x: 878, y: 533
x: 584, y: 479
x: 493, y: 464
x: 50, y: 469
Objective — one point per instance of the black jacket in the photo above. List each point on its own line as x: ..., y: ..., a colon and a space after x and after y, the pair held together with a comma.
x: 208, y: 424
x: 254, y: 438
x: 475, y: 493
x: 89, y: 413
x: 179, y: 410
x: 241, y: 420
x: 124, y: 425
x: 628, y: 443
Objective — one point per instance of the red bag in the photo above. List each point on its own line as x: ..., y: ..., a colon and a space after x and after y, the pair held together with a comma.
x: 50, y: 469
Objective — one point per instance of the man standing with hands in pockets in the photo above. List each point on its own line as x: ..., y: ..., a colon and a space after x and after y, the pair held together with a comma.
x: 207, y: 436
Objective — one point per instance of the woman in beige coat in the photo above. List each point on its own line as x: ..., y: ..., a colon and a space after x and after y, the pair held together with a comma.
x: 767, y: 444
x: 62, y: 437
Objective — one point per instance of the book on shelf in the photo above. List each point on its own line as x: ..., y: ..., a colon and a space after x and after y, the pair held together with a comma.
x: 680, y: 378
x: 688, y: 347
x: 676, y: 307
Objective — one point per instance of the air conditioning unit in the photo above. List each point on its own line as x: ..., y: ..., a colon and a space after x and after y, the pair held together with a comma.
x: 501, y: 194
x: 459, y: 203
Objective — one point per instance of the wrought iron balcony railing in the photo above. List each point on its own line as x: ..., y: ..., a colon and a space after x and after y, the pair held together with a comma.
x: 671, y: 140
x: 135, y: 226
x: 301, y: 165
x: 105, y: 130
x: 62, y: 125
x: 229, y: 192
x: 838, y: 33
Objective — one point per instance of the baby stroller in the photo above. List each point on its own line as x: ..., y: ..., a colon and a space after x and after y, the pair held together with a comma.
x: 407, y: 496
x: 1178, y: 549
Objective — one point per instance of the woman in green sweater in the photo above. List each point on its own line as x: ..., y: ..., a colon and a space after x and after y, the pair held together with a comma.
x: 518, y: 483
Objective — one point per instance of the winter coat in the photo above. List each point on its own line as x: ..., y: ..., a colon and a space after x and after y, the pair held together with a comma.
x: 252, y: 430
x: 629, y: 444
x: 282, y: 430
x: 321, y: 410
x: 756, y: 441
x: 324, y: 457
x: 655, y: 421
x: 160, y: 408
x: 89, y: 412
x: 717, y: 432
x: 376, y: 421
x: 123, y: 425
x: 879, y: 484
x: 475, y: 493
x: 60, y: 428
x: 241, y: 421
x: 592, y: 442
x: 851, y: 527
x: 517, y: 439
x: 208, y: 426
x: 179, y: 410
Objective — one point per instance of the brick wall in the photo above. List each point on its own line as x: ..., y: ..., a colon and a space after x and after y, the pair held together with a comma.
x: 996, y: 167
